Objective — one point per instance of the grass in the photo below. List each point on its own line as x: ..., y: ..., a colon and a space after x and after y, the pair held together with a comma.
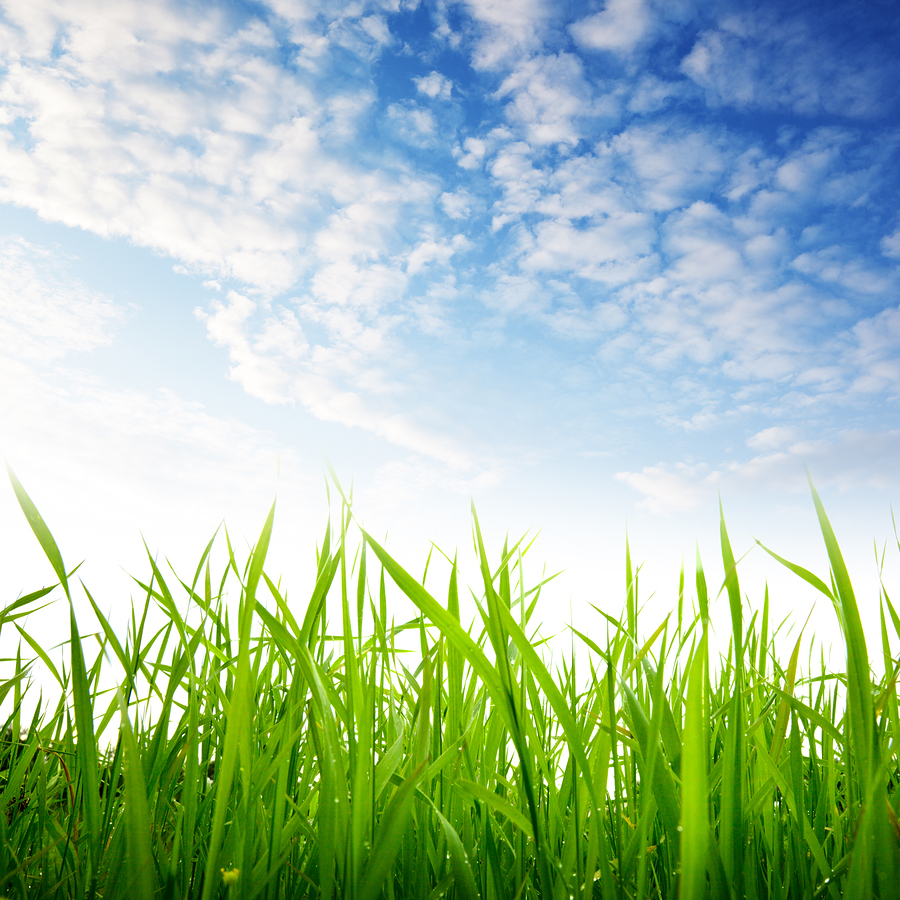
x: 272, y: 749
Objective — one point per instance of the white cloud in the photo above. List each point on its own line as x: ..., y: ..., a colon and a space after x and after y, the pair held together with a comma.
x: 457, y: 204
x: 472, y: 153
x: 773, y: 438
x: 516, y: 295
x: 699, y: 421
x: 522, y: 182
x: 669, y: 489
x: 613, y: 250
x: 579, y: 323
x: 619, y: 27
x: 854, y: 459
x: 412, y: 124
x: 548, y: 94
x: 254, y: 365
x: 670, y: 165
x: 584, y: 187
x: 698, y: 282
x: 652, y: 94
x: 182, y: 130
x: 668, y: 246
x: 858, y: 276
x: 890, y: 245
x: 766, y: 59
x: 341, y: 382
x: 45, y: 312
x: 434, y: 85
x: 876, y: 354
x: 509, y: 29
x: 365, y: 36
x: 434, y: 251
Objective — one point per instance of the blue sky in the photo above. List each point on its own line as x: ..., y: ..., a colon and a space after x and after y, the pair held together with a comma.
x: 585, y: 263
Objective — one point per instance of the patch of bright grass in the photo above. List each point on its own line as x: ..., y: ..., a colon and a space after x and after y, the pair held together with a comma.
x: 289, y: 758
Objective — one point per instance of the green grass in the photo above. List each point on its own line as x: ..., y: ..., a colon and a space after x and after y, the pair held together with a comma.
x: 261, y: 748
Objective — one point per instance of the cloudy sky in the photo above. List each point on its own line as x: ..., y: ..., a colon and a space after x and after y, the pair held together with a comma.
x: 589, y: 264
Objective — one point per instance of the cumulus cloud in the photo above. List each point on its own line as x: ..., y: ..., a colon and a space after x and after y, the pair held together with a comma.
x: 614, y: 250
x: 620, y: 26
x: 412, y: 124
x: 457, y: 204
x: 831, y: 264
x: 671, y: 165
x: 508, y: 29
x: 547, y: 95
x: 181, y: 129
x: 652, y: 94
x: 434, y: 252
x: 434, y: 85
x: 200, y: 143
x: 695, y: 238
x: 875, y: 353
x: 471, y: 154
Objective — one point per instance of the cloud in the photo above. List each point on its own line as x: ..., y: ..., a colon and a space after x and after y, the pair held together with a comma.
x: 669, y: 489
x: 149, y: 446
x: 695, y: 237
x: 876, y: 354
x: 548, y: 94
x: 855, y: 459
x: 266, y: 151
x: 340, y: 382
x: 831, y: 264
x: 46, y: 312
x: 579, y: 322
x: 619, y: 27
x: 458, y: 204
x: 471, y: 154
x: 890, y: 245
x: 508, y: 29
x: 670, y: 164
x: 614, y: 250
x: 181, y: 129
x: 772, y: 59
x: 412, y: 124
x: 434, y: 85
x: 773, y: 438
x: 429, y: 252
x: 651, y: 94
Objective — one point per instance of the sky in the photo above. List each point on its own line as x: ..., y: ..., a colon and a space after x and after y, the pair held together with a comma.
x: 589, y: 266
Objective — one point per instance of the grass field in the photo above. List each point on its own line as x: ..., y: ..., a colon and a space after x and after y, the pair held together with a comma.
x: 317, y: 749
